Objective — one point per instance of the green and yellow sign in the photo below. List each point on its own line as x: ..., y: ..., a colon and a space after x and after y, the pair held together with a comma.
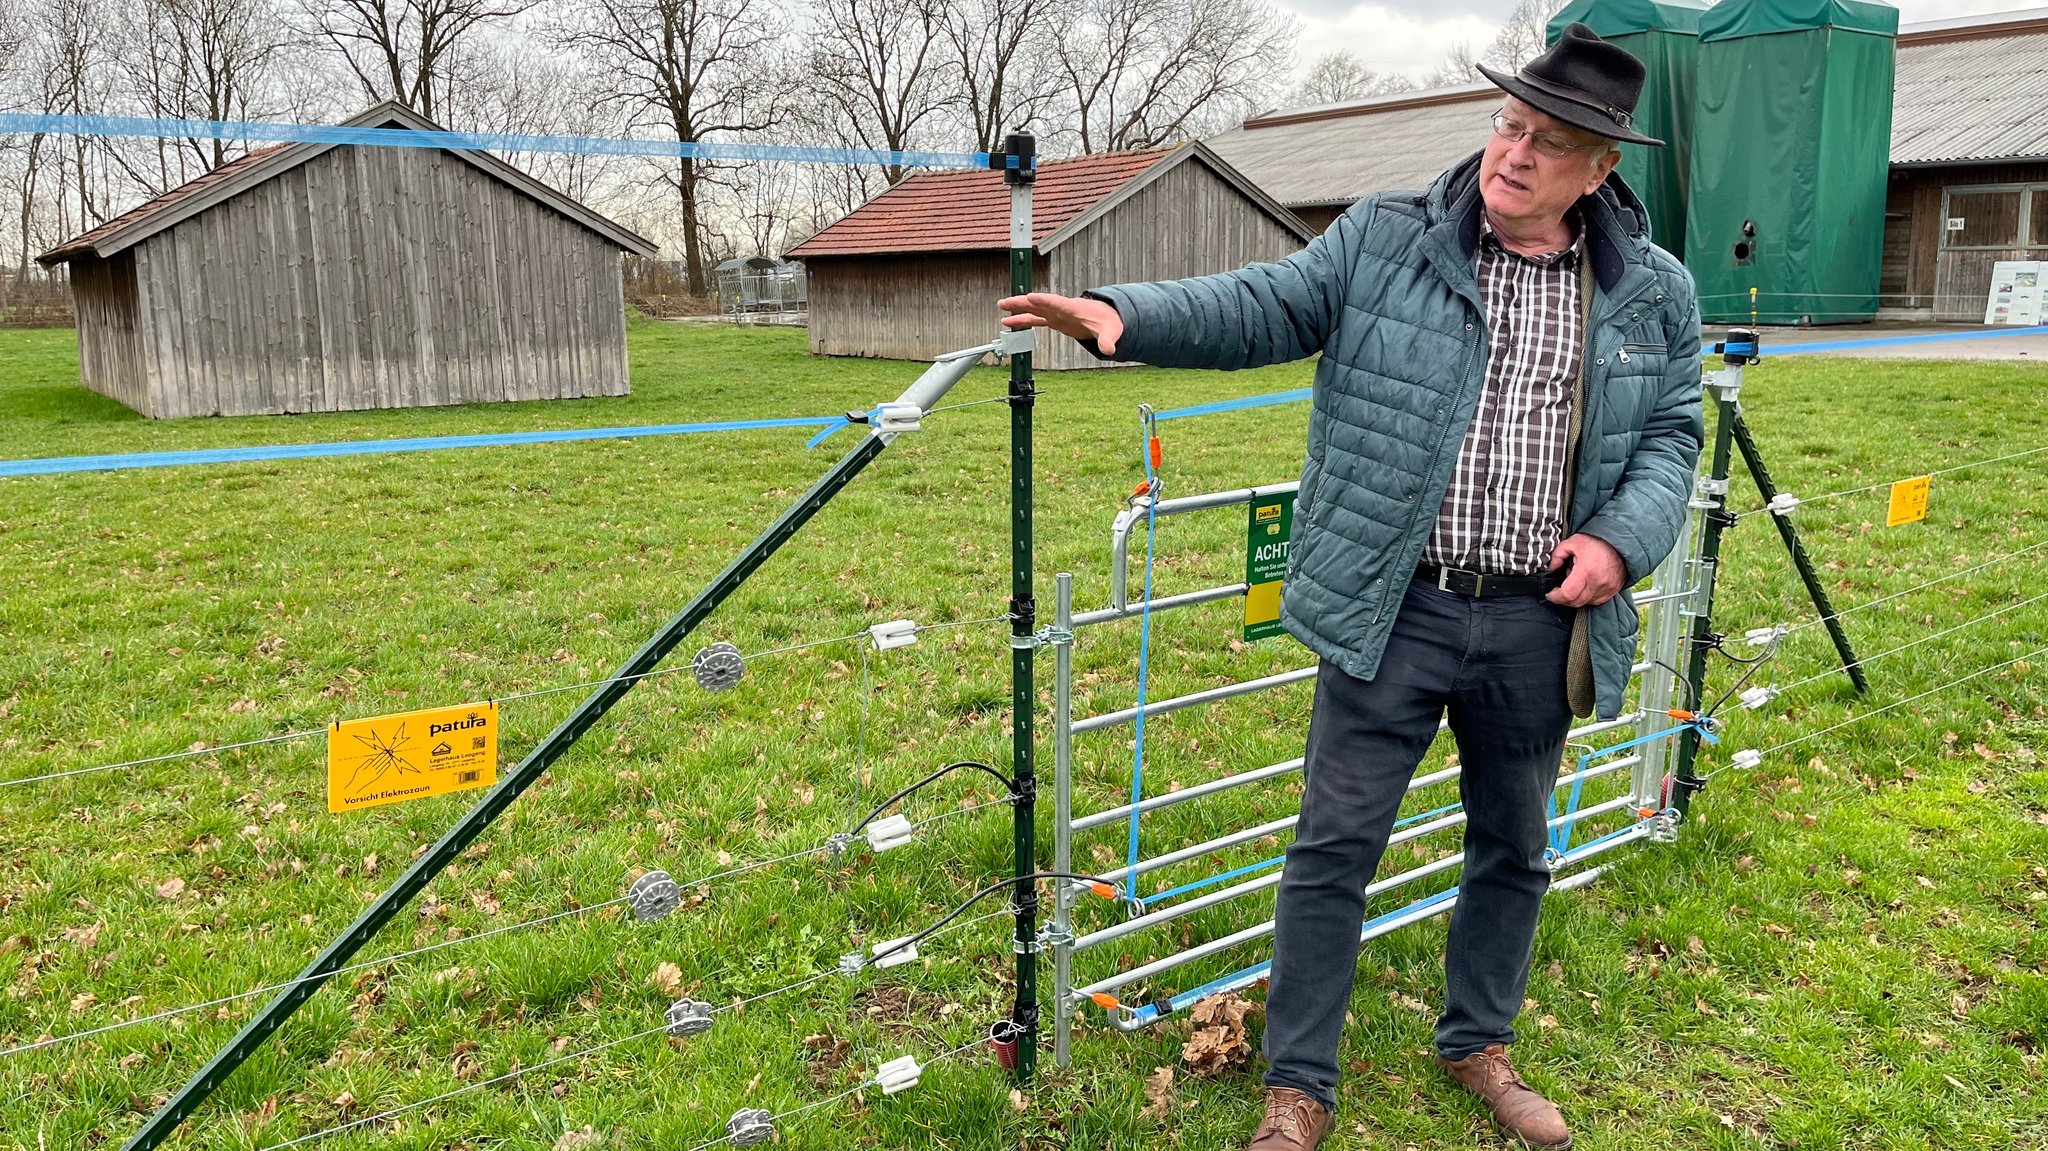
x: 1269, y: 534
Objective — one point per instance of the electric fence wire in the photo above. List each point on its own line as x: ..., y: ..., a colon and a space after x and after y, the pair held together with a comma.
x: 703, y: 881
x: 1805, y: 500
x: 795, y: 1112
x: 1149, y: 446
x: 1855, y: 719
x: 586, y: 1052
x: 1793, y: 629
x: 586, y: 685
x: 1833, y: 671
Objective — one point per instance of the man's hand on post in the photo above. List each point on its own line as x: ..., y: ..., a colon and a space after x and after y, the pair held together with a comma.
x: 1083, y: 319
x: 1597, y: 571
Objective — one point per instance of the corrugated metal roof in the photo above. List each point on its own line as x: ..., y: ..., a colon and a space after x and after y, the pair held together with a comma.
x: 1355, y: 150
x: 1975, y: 99
x: 1956, y: 100
x: 970, y: 211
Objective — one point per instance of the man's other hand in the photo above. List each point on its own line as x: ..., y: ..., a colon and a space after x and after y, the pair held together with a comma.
x: 1597, y: 571
x: 1069, y: 315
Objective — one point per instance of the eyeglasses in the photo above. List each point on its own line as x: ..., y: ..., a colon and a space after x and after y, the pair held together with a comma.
x: 1549, y: 143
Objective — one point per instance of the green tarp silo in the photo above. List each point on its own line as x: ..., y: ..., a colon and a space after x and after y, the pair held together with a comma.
x: 1791, y: 147
x: 1663, y: 34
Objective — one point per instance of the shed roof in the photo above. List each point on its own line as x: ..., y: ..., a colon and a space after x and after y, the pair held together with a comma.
x: 1967, y: 90
x: 223, y: 183
x: 1972, y: 90
x: 970, y: 211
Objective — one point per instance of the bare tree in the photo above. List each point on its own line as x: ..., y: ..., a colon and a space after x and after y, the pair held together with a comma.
x: 1523, y: 37
x: 1456, y: 69
x: 201, y: 60
x: 1004, y: 63
x: 883, y: 65
x: 1339, y: 76
x: 405, y: 50
x: 1140, y: 73
x: 695, y: 69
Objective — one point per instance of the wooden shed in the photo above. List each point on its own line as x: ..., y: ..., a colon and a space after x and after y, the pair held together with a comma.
x: 917, y: 270
x: 333, y: 277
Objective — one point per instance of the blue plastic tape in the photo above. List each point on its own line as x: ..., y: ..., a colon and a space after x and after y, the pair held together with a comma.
x: 1900, y: 341
x: 1292, y: 396
x: 58, y: 464
x: 258, y: 132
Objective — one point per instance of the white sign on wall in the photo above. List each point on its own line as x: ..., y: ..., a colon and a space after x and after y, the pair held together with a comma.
x: 2015, y: 296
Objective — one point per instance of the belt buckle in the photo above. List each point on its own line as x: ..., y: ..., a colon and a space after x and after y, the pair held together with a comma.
x: 1443, y: 578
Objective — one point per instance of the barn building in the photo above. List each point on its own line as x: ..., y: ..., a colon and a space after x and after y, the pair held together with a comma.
x: 917, y: 270
x: 1969, y: 144
x: 323, y: 277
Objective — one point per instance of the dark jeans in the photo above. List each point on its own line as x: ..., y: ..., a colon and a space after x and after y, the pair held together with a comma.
x: 1497, y: 665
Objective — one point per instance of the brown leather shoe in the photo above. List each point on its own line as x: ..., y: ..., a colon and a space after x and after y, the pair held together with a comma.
x: 1518, y: 1111
x: 1294, y: 1122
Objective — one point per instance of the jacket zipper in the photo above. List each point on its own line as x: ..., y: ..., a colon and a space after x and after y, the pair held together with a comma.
x: 1443, y: 433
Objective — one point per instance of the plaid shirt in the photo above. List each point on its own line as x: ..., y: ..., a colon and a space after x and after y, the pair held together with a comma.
x: 1504, y: 511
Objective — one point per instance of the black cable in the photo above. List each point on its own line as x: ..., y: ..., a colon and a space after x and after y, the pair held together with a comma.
x: 1750, y: 670
x: 934, y: 777
x: 1683, y: 679
x: 984, y: 893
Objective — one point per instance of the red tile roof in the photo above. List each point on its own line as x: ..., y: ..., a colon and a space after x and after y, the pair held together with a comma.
x: 84, y: 244
x: 970, y: 211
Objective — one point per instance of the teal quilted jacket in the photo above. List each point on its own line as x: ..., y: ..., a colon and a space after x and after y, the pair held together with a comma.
x: 1388, y: 296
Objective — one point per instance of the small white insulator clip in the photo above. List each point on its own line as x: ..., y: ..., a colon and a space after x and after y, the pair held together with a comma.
x: 1783, y: 504
x: 853, y: 963
x: 896, y: 633
x: 1018, y: 342
x: 750, y: 1126
x: 894, y: 952
x: 898, y: 1075
x: 653, y: 896
x: 1747, y: 758
x: 1764, y: 636
x: 1757, y: 697
x: 895, y: 418
x: 894, y: 831
x: 689, y: 1017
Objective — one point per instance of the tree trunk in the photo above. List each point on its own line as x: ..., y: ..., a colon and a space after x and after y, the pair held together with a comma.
x: 693, y: 246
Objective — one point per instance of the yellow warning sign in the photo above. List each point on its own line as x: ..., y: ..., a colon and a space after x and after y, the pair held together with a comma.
x: 393, y: 758
x: 1909, y: 501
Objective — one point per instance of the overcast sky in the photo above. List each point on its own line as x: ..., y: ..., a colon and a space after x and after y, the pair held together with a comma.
x: 1412, y: 36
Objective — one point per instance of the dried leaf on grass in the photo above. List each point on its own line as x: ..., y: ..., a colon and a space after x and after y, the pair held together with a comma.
x: 1220, y: 1041
x: 668, y: 978
x: 1158, y: 1094
x: 579, y: 1140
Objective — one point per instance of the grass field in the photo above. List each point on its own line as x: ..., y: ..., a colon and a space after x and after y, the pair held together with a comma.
x: 1845, y: 950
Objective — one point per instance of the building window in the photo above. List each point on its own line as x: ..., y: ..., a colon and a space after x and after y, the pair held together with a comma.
x: 1983, y: 218
x: 2037, y: 228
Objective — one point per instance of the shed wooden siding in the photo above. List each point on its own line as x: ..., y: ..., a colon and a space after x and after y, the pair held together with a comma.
x: 366, y: 278
x: 1188, y: 222
x: 1913, y: 236
x: 908, y: 307
x: 109, y: 352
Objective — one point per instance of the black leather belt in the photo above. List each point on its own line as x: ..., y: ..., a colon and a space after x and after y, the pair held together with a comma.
x: 1485, y: 585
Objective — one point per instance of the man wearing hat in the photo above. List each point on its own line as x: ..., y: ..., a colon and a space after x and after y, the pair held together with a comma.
x: 1506, y: 420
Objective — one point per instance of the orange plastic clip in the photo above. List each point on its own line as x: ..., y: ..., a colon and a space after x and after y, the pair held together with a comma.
x: 1680, y: 714
x: 1105, y: 1000
x: 1144, y: 488
x: 1155, y: 453
x: 1105, y: 890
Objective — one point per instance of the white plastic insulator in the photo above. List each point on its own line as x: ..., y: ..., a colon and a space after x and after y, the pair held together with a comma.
x: 1783, y: 504
x: 893, y: 953
x: 1761, y: 636
x: 896, y: 633
x: 898, y: 1074
x: 894, y: 831
x: 1748, y: 757
x: 1756, y: 697
x: 1019, y: 341
x: 892, y: 418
